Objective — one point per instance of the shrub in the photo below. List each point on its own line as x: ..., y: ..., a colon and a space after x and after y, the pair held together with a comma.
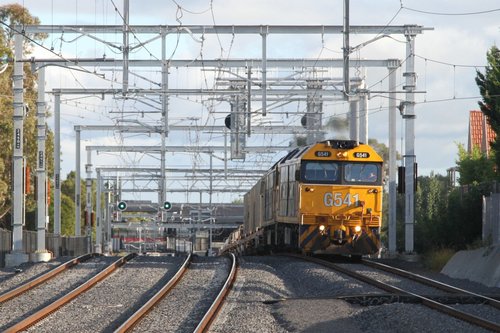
x: 436, y: 259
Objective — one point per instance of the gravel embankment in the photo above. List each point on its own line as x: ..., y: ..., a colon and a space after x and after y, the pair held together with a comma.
x: 108, y: 304
x: 264, y: 278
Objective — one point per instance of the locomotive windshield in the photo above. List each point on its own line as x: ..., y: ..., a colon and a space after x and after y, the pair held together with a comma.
x: 320, y: 172
x: 361, y: 173
x: 332, y: 172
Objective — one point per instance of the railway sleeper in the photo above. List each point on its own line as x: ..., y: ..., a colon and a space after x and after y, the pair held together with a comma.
x: 381, y: 299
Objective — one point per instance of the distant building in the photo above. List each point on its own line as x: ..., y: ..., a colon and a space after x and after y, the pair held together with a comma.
x: 478, y: 126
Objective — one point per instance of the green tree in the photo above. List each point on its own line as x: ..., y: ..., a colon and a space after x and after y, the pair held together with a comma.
x: 489, y: 87
x: 430, y: 211
x: 464, y: 216
x: 474, y: 167
x: 68, y: 192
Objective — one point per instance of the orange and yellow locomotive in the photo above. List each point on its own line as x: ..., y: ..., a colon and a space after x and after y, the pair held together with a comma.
x: 321, y: 198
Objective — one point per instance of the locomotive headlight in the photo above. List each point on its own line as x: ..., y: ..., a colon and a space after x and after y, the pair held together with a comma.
x: 322, y: 227
x: 357, y: 228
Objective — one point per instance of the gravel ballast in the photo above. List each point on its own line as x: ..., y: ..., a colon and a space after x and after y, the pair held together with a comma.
x: 109, y: 303
x: 272, y: 294
x: 261, y: 279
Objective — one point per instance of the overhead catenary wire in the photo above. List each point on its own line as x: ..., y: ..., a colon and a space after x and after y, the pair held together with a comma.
x: 481, y: 12
x: 209, y: 119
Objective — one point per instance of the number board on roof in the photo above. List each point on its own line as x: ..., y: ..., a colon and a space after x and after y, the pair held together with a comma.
x: 361, y: 154
x: 322, y: 153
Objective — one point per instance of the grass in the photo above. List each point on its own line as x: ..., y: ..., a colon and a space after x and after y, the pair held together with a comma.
x: 436, y: 259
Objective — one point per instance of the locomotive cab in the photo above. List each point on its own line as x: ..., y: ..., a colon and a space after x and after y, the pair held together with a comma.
x: 340, y: 206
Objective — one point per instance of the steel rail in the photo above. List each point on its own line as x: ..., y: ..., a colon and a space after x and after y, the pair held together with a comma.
x: 214, y: 309
x: 39, y: 315
x: 424, y: 300
x: 143, y: 311
x: 39, y: 280
x: 436, y: 284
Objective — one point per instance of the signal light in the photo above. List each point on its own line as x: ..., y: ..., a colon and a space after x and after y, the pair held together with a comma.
x: 167, y: 205
x: 122, y: 205
x: 227, y: 121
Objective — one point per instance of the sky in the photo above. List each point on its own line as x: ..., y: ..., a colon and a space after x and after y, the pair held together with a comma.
x: 447, y: 59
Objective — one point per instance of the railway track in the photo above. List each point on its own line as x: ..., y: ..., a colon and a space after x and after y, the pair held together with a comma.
x: 270, y: 291
x: 104, y: 298
x: 475, y: 297
x: 189, y: 301
x: 29, y: 303
x: 29, y: 285
x: 430, y: 293
x: 113, y: 300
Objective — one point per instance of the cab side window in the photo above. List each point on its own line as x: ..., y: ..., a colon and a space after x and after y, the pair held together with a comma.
x: 321, y: 172
x: 361, y: 173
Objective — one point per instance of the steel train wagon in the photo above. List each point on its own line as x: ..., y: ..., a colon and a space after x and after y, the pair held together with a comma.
x: 322, y: 198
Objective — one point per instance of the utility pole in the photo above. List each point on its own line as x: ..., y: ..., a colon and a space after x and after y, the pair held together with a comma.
x: 88, y: 200
x: 346, y: 49
x: 78, y: 190
x: 57, y: 165
x: 17, y: 256
x: 125, y: 46
x: 264, y: 73
x: 164, y: 122
x: 409, y: 158
x: 42, y: 254
x: 392, y: 67
x: 98, y: 224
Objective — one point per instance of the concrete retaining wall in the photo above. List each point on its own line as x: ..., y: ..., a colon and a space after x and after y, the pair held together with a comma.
x: 481, y: 265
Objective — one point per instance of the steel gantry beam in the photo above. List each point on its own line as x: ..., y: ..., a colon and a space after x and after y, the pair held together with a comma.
x: 191, y: 190
x: 176, y: 225
x: 273, y: 129
x: 200, y: 92
x: 227, y: 29
x: 185, y: 149
x: 181, y: 170
x: 216, y: 63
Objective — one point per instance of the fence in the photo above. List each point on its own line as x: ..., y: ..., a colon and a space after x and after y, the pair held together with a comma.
x: 5, y: 245
x: 491, y: 218
x: 58, y: 245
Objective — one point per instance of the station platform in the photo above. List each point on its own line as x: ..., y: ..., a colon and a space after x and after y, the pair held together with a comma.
x: 481, y: 265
